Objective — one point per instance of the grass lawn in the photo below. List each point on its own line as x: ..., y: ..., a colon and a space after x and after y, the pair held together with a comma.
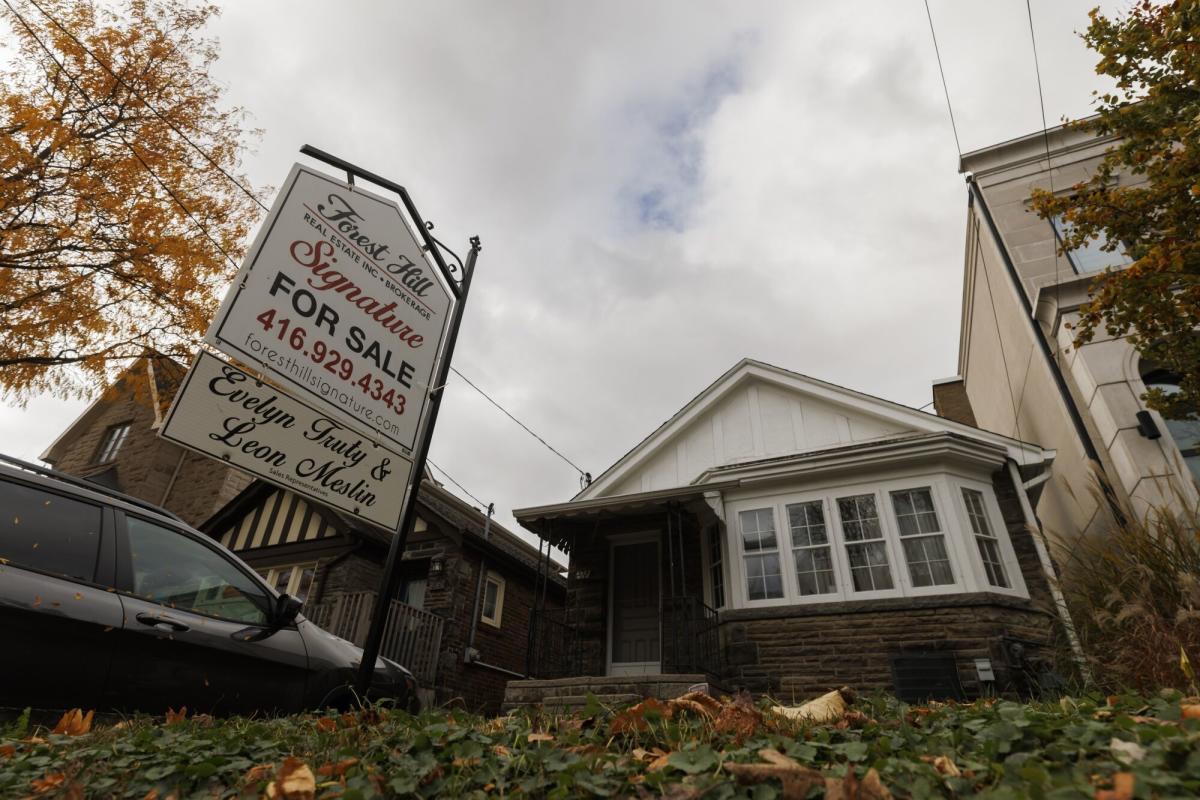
x: 1090, y: 747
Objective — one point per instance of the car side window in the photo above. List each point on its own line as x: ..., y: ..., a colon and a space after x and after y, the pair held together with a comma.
x: 176, y: 571
x: 48, y: 532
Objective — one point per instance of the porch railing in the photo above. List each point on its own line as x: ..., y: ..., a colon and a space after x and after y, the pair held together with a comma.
x: 554, y: 645
x: 412, y: 637
x: 693, y: 636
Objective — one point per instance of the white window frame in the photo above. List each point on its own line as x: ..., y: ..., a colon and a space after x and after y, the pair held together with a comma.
x: 114, y: 439
x: 497, y: 617
x: 715, y: 534
x: 943, y: 531
x: 946, y: 492
x: 823, y: 503
x: 269, y: 574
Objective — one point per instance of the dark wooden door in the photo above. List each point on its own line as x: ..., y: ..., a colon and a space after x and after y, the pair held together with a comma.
x: 635, y: 606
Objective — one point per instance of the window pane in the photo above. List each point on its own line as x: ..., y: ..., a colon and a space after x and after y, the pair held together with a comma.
x: 974, y: 502
x: 928, y: 562
x: 814, y: 570
x: 304, y: 585
x: 113, y: 439
x: 764, y: 580
x: 47, y: 532
x: 990, y: 553
x: 490, y: 592
x: 869, y: 566
x: 807, y: 523
x: 1090, y: 257
x: 860, y: 520
x: 174, y: 570
x: 758, y: 529
x: 283, y: 576
x: 914, y: 512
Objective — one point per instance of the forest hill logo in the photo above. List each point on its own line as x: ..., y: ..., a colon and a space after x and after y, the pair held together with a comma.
x: 337, y: 210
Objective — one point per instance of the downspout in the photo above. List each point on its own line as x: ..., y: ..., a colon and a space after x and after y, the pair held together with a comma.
x: 1039, y: 544
x: 1060, y: 382
x: 470, y: 654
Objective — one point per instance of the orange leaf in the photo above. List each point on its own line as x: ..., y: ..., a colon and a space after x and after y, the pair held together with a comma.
x: 338, y: 769
x: 258, y: 773
x: 74, y: 723
x: 46, y: 784
x: 326, y: 725
x: 294, y: 781
x: 539, y: 737
x: 1123, y: 783
x: 174, y: 716
x: 1189, y: 711
x: 7, y: 750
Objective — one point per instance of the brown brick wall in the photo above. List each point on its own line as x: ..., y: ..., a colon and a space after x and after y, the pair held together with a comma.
x: 145, y: 463
x: 950, y: 401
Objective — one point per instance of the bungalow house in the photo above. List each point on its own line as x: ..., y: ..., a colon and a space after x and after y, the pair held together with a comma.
x: 786, y: 535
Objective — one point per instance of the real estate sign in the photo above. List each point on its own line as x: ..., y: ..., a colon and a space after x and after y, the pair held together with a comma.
x: 226, y: 413
x: 337, y: 299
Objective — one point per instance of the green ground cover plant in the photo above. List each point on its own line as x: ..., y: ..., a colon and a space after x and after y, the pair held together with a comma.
x: 1109, y: 748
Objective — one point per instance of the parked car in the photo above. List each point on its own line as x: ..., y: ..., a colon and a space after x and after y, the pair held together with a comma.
x: 111, y: 603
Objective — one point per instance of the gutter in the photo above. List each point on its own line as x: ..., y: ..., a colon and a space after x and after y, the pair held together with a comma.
x: 1060, y: 382
x: 1039, y: 543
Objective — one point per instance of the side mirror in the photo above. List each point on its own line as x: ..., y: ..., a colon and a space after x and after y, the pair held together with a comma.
x: 286, y: 609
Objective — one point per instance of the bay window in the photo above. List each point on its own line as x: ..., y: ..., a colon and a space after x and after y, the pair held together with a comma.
x: 922, y: 539
x: 764, y: 578
x: 865, y: 548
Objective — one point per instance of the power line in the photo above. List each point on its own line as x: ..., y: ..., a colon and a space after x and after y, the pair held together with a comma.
x: 945, y: 87
x: 522, y: 424
x: 120, y: 135
x: 146, y: 103
x: 456, y: 483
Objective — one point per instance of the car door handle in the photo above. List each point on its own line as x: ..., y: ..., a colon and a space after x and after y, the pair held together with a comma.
x: 164, y: 624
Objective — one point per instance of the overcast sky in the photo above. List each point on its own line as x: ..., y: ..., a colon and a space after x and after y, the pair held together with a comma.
x: 662, y: 188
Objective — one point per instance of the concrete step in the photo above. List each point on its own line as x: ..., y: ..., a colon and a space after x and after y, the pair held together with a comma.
x: 575, y: 701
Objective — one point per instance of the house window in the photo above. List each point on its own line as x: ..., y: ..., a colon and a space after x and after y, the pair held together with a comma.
x: 493, y: 599
x: 293, y: 579
x: 1185, y: 432
x: 865, y: 547
x: 716, y: 567
x: 922, y: 538
x: 764, y: 577
x: 989, y: 546
x: 114, y: 437
x: 810, y: 548
x: 1090, y: 256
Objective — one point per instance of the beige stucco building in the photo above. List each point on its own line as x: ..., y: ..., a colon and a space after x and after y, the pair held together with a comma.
x: 1019, y: 373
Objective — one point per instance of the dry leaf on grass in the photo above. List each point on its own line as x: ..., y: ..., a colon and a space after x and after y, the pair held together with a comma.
x: 943, y: 765
x: 633, y: 719
x: 701, y: 703
x: 797, y: 780
x: 1189, y: 711
x: 851, y: 788
x: 539, y: 737
x: 174, y: 716
x: 326, y: 725
x: 501, y: 750
x: 337, y: 770
x: 258, y: 773
x: 829, y: 707
x: 47, y: 783
x: 1123, y: 785
x: 740, y: 718
x: 294, y: 781
x: 74, y: 723
x: 7, y: 750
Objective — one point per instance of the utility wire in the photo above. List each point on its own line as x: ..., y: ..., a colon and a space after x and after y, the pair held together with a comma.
x: 146, y: 103
x: 945, y: 87
x: 522, y: 424
x: 120, y: 135
x: 456, y: 483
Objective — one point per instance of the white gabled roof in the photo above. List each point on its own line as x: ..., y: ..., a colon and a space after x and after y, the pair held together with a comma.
x: 756, y: 411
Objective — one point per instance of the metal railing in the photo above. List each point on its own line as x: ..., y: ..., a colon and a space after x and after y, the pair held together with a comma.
x: 693, y: 635
x: 412, y: 637
x: 554, y: 645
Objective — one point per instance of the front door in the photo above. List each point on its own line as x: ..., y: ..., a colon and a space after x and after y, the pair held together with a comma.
x: 636, y: 619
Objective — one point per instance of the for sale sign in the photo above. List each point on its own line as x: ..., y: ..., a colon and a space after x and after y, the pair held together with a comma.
x: 226, y: 413
x: 337, y: 298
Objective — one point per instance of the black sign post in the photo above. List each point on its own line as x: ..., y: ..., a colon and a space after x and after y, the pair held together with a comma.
x: 388, y: 584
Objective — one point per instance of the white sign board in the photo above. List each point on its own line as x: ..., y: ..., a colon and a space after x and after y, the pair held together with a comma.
x: 337, y: 298
x: 226, y: 413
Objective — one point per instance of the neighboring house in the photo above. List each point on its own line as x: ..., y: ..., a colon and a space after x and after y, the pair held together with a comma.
x: 461, y: 619
x: 115, y: 443
x: 1018, y: 371
x: 784, y: 534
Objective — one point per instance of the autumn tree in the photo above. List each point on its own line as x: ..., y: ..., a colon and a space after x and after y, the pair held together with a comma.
x: 1145, y: 195
x: 118, y: 228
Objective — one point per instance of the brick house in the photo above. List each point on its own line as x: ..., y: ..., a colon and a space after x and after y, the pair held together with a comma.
x: 469, y: 584
x: 114, y: 442
x: 787, y: 535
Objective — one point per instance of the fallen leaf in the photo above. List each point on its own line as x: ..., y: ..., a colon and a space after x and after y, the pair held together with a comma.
x: 829, y: 707
x: 1123, y: 785
x: 74, y: 723
x: 797, y: 780
x: 338, y: 769
x: 658, y: 763
x: 174, y: 716
x: 47, y: 783
x: 1126, y: 752
x: 258, y: 773
x: 633, y: 719
x: 294, y: 781
x: 151, y: 795
x: 326, y: 725
x: 943, y: 765
x: 501, y: 750
x: 851, y: 788
x: 539, y: 737
x: 7, y: 750
x: 465, y: 762
x: 741, y: 718
x: 1189, y: 711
